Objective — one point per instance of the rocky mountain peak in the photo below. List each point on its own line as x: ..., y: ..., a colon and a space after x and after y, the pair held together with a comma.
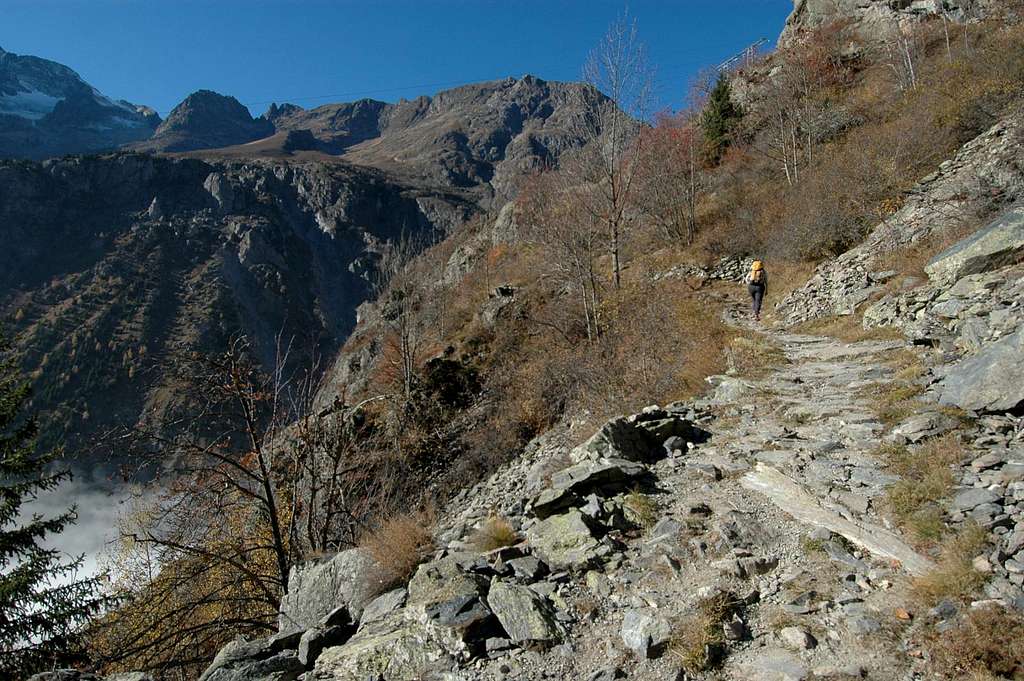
x: 48, y: 109
x: 207, y: 119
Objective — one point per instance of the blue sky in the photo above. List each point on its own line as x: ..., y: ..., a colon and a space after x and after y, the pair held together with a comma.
x: 312, y: 51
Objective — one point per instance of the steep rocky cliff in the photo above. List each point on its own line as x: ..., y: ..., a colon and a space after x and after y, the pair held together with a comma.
x: 116, y: 266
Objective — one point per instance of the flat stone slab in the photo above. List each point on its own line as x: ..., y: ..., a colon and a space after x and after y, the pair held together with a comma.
x: 792, y: 498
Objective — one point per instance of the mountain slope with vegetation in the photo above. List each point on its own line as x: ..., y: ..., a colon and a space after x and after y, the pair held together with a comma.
x: 483, y: 486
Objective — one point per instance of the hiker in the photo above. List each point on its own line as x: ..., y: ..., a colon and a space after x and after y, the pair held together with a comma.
x: 757, y: 285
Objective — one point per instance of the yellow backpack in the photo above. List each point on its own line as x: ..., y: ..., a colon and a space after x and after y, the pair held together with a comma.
x: 757, y: 272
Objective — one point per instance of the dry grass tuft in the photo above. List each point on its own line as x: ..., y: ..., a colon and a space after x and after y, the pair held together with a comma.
x: 847, y: 328
x: 988, y: 644
x: 752, y: 355
x: 699, y: 642
x: 927, y: 479
x: 398, y: 545
x: 893, y: 404
x: 641, y: 509
x: 494, y: 533
x: 955, y: 577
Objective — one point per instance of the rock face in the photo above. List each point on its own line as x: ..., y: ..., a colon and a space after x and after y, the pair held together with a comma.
x: 317, y: 589
x: 871, y: 20
x: 999, y: 244
x: 163, y: 257
x: 205, y: 120
x: 992, y: 380
x: 46, y: 109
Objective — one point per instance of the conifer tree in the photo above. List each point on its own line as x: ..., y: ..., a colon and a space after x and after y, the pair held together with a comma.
x: 43, y: 604
x: 719, y: 118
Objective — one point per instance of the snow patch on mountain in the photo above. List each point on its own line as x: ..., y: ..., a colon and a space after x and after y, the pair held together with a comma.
x: 32, y: 105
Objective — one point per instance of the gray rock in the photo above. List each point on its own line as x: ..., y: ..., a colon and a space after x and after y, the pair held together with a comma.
x: 619, y: 438
x: 382, y: 606
x: 553, y: 501
x: 529, y: 568
x: 564, y: 542
x: 775, y: 665
x: 443, y: 593
x: 973, y: 497
x: 314, y: 641
x: 396, y: 648
x: 796, y: 638
x: 729, y: 389
x: 645, y: 632
x: 523, y: 613
x: 1015, y: 541
x: 604, y: 476
x: 840, y: 555
x: 253, y: 661
x: 925, y: 425
x: 348, y: 578
x: 991, y: 380
x: 286, y: 640
x: 998, y: 244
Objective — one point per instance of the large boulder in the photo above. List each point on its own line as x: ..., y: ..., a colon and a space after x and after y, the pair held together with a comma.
x: 522, y: 612
x: 991, y: 380
x: 262, y: 660
x: 396, y: 648
x: 564, y: 542
x: 635, y: 438
x: 315, y: 589
x: 444, y: 594
x: 603, y: 476
x: 999, y: 244
x: 382, y: 606
x: 618, y: 438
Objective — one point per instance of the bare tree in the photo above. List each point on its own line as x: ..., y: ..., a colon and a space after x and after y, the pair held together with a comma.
x: 572, y: 240
x: 251, y: 483
x: 672, y: 177
x: 903, y: 50
x: 608, y: 120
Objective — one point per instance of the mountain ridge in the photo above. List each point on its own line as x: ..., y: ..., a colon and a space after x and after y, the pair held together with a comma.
x: 47, y: 109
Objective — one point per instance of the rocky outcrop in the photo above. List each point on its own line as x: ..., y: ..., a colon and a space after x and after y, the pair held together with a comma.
x: 984, y: 178
x: 317, y: 589
x: 990, y: 381
x: 872, y: 21
x: 47, y: 110
x: 999, y: 244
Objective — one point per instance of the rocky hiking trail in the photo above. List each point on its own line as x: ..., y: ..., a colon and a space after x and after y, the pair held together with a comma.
x: 774, y: 508
x: 733, y: 537
x: 737, y: 536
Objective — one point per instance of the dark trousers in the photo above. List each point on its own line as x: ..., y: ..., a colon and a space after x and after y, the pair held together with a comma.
x: 756, y: 296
